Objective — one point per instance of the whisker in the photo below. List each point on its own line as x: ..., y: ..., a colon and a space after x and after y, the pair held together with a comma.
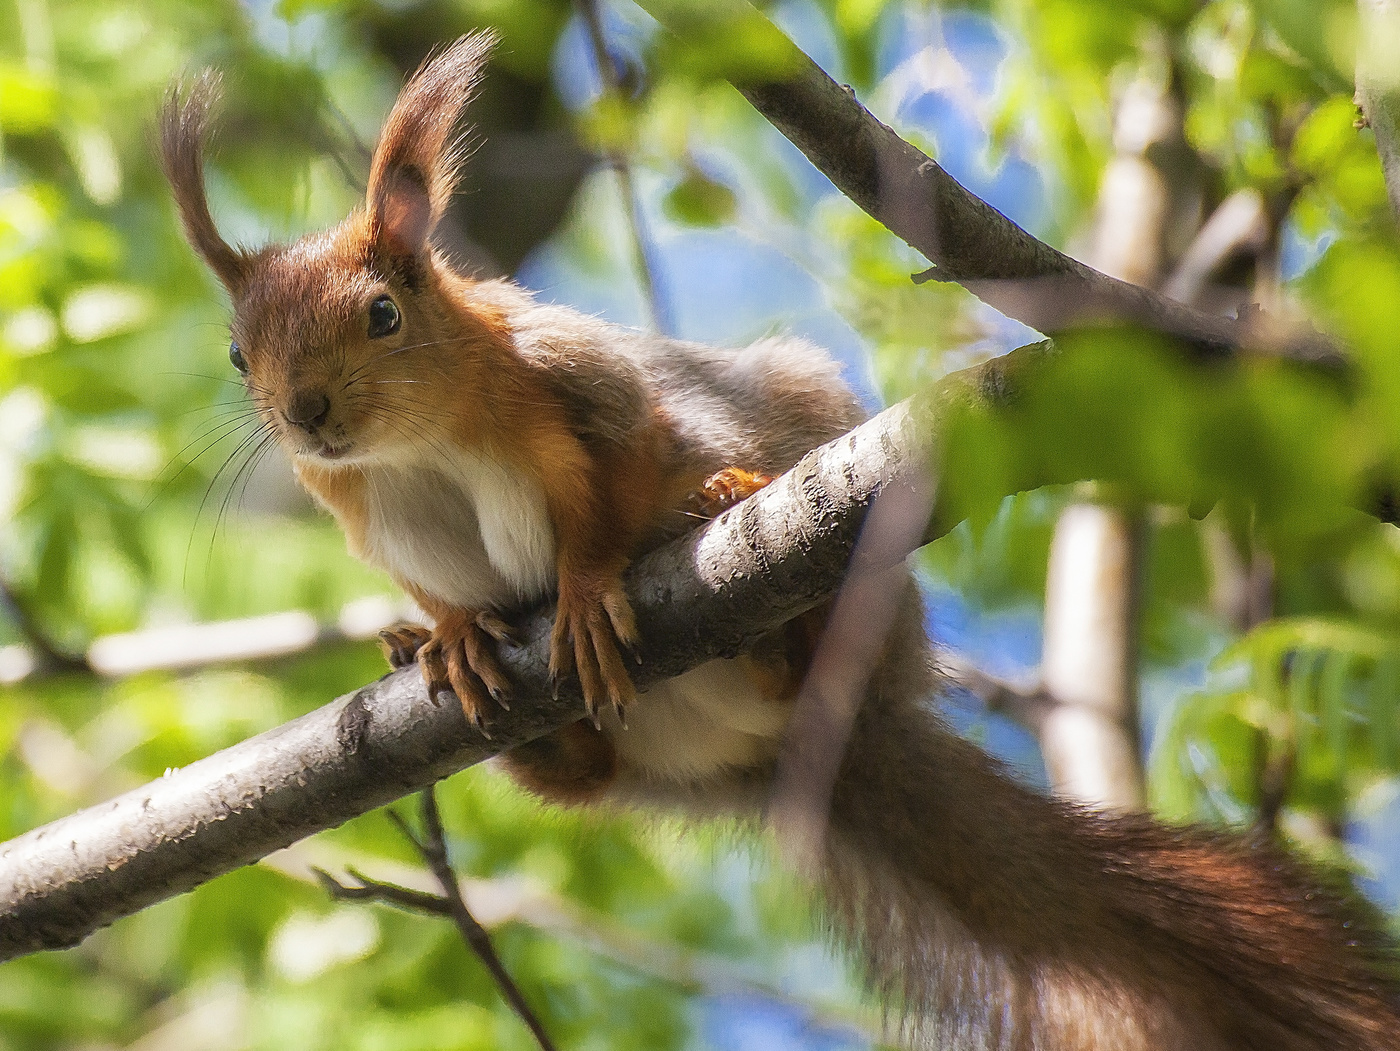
x: 387, y: 401
x: 424, y: 416
x: 500, y: 398
x: 224, y: 427
x: 210, y: 408
x: 189, y: 547
x: 244, y: 473
x: 394, y: 421
x: 427, y: 417
x: 204, y: 376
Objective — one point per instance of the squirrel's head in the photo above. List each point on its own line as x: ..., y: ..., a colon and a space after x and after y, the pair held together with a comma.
x: 332, y: 332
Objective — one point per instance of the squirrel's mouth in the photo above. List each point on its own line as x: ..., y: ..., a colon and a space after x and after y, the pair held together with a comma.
x: 326, y: 451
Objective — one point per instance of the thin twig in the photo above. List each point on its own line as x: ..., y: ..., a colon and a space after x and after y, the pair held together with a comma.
x: 522, y: 900
x: 49, y: 656
x: 1274, y: 767
x: 451, y: 905
x: 367, y: 889
x: 1028, y: 704
x: 644, y: 251
x: 824, y: 713
x: 433, y: 848
x: 965, y: 238
x: 1273, y: 780
x: 1239, y: 224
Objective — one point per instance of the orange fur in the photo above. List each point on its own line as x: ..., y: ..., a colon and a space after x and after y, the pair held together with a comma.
x: 571, y: 766
x: 468, y: 398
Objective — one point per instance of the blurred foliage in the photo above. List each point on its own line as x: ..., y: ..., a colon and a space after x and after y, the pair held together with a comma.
x: 128, y: 495
x: 1319, y: 694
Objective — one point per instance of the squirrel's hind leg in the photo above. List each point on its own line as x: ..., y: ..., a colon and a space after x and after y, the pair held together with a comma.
x: 575, y: 764
x: 725, y: 488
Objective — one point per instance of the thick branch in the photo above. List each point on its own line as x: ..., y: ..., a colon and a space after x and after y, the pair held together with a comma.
x: 704, y: 596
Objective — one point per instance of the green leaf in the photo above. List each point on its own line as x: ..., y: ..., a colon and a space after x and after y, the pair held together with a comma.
x: 698, y: 200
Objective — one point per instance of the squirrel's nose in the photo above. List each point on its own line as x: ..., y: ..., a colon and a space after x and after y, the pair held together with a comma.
x: 307, y: 409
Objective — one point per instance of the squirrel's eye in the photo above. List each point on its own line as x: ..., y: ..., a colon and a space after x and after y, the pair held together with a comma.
x: 235, y: 355
x: 383, y: 318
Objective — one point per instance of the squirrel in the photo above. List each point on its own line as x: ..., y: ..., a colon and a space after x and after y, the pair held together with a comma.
x: 490, y: 451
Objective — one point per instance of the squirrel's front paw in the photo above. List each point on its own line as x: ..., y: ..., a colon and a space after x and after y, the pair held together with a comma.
x: 456, y: 657
x: 593, y: 617
x: 402, y: 642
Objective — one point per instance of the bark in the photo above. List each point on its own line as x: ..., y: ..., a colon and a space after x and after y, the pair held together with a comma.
x: 1090, y: 736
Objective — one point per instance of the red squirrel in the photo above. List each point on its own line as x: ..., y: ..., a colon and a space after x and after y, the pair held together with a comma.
x: 489, y: 451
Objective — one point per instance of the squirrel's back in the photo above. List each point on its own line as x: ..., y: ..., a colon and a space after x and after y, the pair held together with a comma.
x: 761, y: 407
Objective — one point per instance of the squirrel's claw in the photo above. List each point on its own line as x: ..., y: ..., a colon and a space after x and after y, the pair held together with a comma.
x: 402, y: 642
x: 457, y: 658
x: 723, y: 489
x: 594, y: 616
x: 498, y: 628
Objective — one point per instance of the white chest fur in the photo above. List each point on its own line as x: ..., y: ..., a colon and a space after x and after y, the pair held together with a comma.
x: 466, y: 530
x: 696, y: 729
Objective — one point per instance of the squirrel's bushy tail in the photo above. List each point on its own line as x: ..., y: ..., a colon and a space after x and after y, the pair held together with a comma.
x: 995, y: 918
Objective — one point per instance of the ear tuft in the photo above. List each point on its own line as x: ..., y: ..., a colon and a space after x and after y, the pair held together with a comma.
x: 416, y: 163
x: 184, y: 130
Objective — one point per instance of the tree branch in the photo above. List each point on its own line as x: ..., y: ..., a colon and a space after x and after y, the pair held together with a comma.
x: 753, y: 569
x: 704, y: 596
x: 1378, y: 86
x: 756, y: 567
x: 433, y: 849
x: 516, y: 899
x: 181, y: 647
x: 49, y: 657
x: 1028, y: 704
x: 966, y: 239
x: 643, y: 248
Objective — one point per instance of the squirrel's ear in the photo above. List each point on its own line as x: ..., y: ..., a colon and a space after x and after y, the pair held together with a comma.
x: 416, y: 163
x: 184, y: 128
